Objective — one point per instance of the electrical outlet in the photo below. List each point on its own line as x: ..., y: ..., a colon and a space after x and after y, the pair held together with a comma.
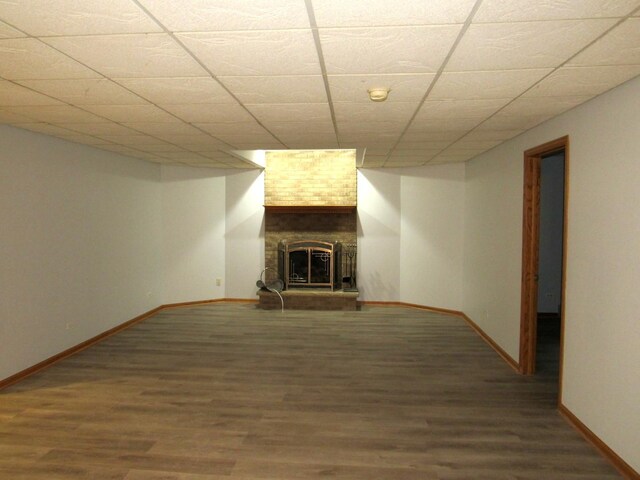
x: 218, y: 282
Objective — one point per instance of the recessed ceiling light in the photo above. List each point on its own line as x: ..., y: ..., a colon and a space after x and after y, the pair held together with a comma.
x: 378, y: 94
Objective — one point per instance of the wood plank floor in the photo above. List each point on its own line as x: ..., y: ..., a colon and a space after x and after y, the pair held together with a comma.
x: 228, y: 391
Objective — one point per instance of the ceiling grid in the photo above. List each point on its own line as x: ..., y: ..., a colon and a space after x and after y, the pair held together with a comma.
x: 195, y: 81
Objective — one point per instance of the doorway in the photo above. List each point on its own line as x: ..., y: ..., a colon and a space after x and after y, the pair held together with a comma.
x: 534, y: 159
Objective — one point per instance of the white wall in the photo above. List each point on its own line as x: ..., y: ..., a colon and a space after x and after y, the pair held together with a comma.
x: 244, y: 232
x: 431, y: 246
x: 601, y: 385
x: 193, y: 233
x: 80, y: 244
x: 378, y: 267
x: 410, y: 235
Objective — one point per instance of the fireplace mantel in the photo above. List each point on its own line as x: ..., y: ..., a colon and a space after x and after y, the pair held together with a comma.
x: 310, y: 208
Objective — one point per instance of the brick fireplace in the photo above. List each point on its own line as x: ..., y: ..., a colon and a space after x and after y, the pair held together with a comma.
x: 310, y: 196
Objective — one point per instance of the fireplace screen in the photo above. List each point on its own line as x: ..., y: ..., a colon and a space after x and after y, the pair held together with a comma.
x: 310, y: 264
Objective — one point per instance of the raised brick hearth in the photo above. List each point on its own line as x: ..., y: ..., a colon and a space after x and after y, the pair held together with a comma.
x: 308, y: 300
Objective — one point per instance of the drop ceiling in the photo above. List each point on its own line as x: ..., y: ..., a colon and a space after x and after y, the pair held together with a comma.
x: 194, y: 81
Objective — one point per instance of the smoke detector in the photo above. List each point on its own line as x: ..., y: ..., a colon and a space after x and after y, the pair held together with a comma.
x: 378, y: 94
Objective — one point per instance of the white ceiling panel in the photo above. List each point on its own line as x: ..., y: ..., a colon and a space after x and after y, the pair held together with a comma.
x: 250, y: 128
x: 255, y: 53
x: 77, y: 17
x: 402, y: 87
x: 449, y: 109
x: 175, y: 127
x: 175, y: 78
x: 7, y: 31
x: 387, y: 50
x: 491, y: 84
x: 104, y: 128
x: 209, y: 16
x: 374, y: 112
x: 621, y: 46
x: 153, y: 55
x: 12, y: 94
x: 278, y: 89
x: 131, y: 113
x: 506, y: 46
x: 29, y: 58
x: 84, y: 139
x: 527, y: 10
x: 46, y: 128
x: 551, y: 106
x: 584, y: 81
x: 55, y: 113
x: 178, y: 90
x: 91, y: 91
x: 191, y: 142
x: 210, y: 113
x: 370, y: 129
x: 341, y: 13
x: 291, y: 112
x: 131, y: 140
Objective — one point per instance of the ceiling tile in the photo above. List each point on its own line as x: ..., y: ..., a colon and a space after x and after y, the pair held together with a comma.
x: 450, y: 158
x: 131, y: 113
x: 583, y: 80
x: 178, y: 90
x: 621, y: 46
x: 386, y: 49
x: 175, y: 127
x: 542, y: 105
x: 137, y: 140
x: 7, y: 31
x: 152, y: 55
x: 340, y: 13
x: 27, y: 58
x: 403, y: 87
x: 503, y: 121
x: 474, y: 144
x: 104, y: 128
x: 278, y: 89
x: 237, y: 139
x: 46, y: 128
x: 191, y: 142
x: 370, y: 129
x: 426, y: 152
x: 359, y: 139
x: 489, y: 135
x: 210, y: 113
x: 12, y: 94
x: 434, y: 124
x: 432, y: 136
x: 301, y: 128
x: 452, y: 109
x: 399, y: 112
x: 77, y: 17
x: 311, y: 143
x: 374, y: 161
x: 255, y: 53
x: 206, y: 16
x: 251, y: 127
x: 94, y: 91
x: 526, y: 10
x: 291, y: 112
x: 509, y: 46
x: 55, y: 113
x: 13, y: 118
x: 492, y: 84
x: 84, y: 139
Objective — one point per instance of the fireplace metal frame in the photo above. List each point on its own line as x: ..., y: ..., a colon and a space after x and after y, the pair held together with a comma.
x: 333, y: 249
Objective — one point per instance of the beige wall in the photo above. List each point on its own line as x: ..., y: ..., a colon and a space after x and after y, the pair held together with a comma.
x: 601, y: 381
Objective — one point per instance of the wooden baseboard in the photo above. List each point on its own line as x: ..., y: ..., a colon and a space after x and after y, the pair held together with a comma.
x: 623, y: 467
x: 92, y: 341
x: 499, y: 350
x: 75, y: 349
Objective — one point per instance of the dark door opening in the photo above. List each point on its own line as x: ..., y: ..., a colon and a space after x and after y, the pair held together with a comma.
x: 544, y: 257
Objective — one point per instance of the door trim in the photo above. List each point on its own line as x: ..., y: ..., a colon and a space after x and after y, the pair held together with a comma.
x: 530, y: 252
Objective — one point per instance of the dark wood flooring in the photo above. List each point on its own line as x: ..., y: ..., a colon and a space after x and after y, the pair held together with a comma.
x: 228, y: 391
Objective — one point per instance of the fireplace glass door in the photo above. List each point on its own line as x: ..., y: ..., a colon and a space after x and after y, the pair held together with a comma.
x: 310, y: 266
